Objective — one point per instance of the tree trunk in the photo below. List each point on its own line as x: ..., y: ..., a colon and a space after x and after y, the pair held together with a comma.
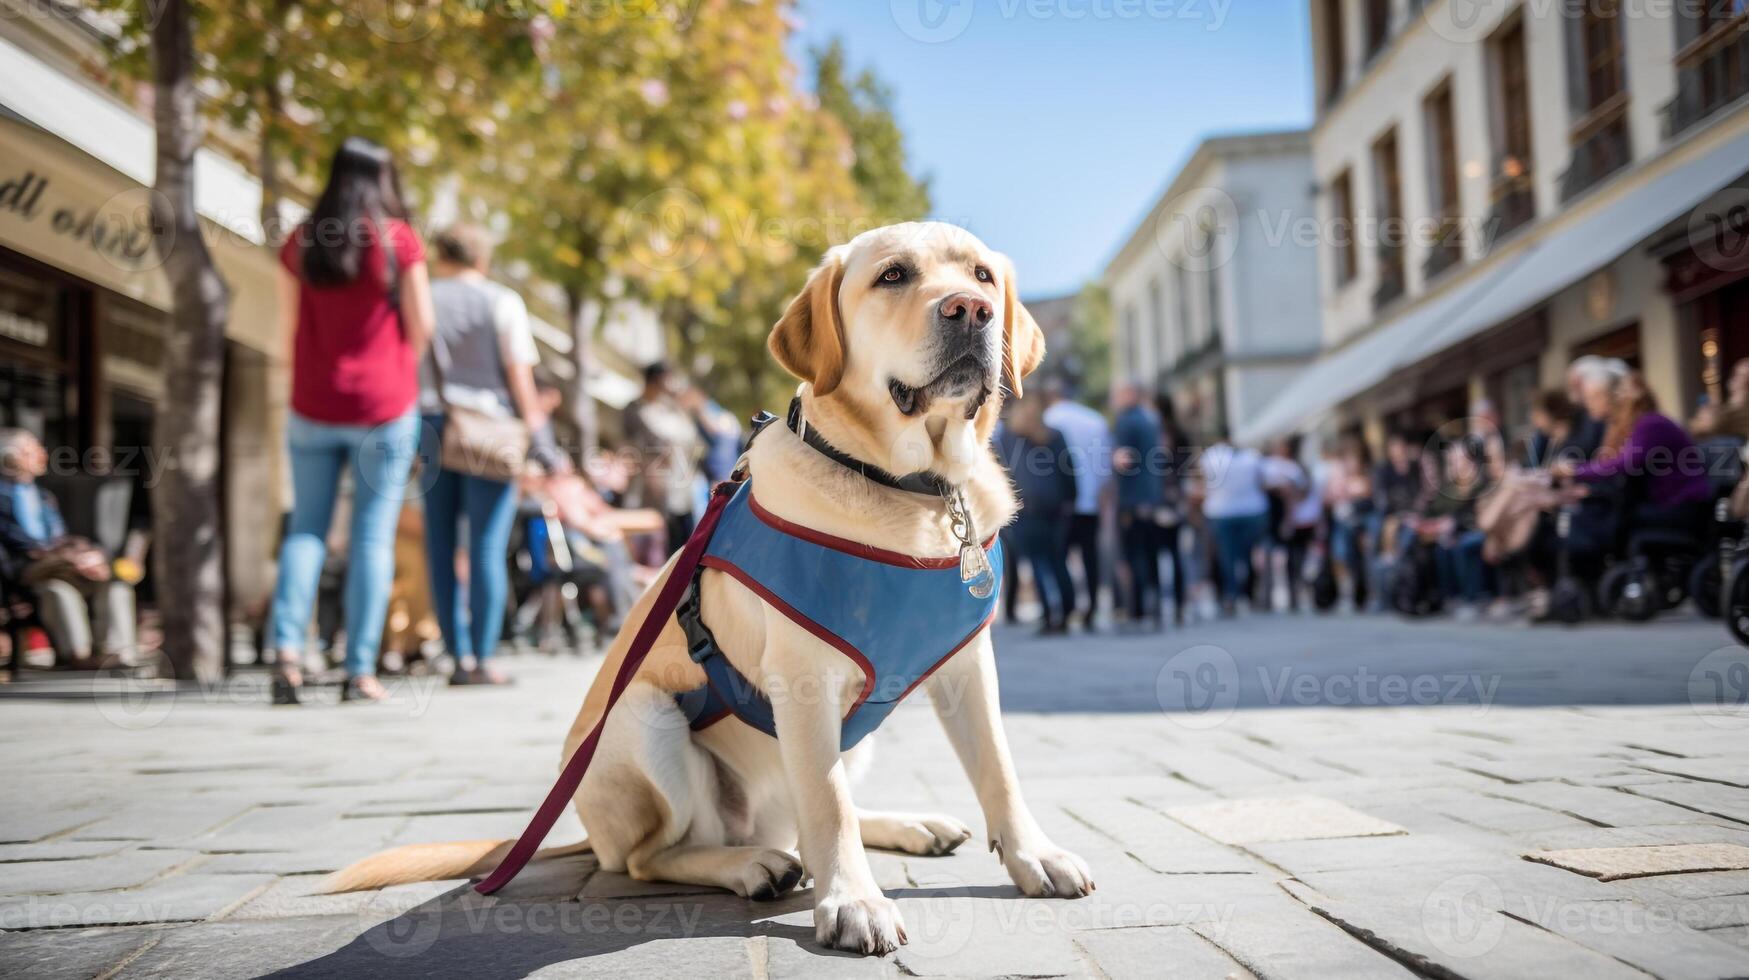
x: 583, y: 363
x: 188, y: 541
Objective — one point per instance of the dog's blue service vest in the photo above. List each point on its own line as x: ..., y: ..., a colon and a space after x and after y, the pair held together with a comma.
x: 896, y: 616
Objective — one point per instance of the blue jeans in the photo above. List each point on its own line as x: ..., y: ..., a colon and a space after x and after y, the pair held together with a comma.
x: 1235, y: 539
x: 1043, y: 543
x: 379, y: 457
x: 489, y: 507
x: 1462, y: 574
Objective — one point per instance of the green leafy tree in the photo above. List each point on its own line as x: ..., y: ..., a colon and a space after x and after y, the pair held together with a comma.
x: 293, y: 76
x: 864, y: 106
x: 1090, y: 330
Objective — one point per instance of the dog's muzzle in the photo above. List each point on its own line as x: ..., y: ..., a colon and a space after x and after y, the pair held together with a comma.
x: 965, y: 357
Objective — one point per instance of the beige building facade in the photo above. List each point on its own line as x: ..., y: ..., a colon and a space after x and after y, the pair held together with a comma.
x: 1504, y: 186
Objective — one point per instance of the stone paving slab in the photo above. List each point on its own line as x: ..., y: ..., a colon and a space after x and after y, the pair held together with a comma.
x: 1612, y: 863
x: 1255, y: 821
x: 186, y: 838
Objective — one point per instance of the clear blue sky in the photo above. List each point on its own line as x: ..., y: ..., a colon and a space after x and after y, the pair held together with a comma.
x: 1049, y: 135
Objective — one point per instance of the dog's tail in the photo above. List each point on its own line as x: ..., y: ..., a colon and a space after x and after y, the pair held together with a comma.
x: 432, y: 862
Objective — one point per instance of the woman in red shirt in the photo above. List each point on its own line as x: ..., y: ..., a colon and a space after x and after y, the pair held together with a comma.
x: 354, y: 287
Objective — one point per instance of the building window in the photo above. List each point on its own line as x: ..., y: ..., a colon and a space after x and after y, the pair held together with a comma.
x: 1447, y: 245
x: 1335, y: 51
x: 1388, y: 212
x: 1513, y: 197
x: 1162, y: 331
x: 1132, y: 329
x: 1597, y: 93
x: 1712, y: 60
x: 1187, y: 330
x: 1212, y: 286
x: 1378, y: 26
x: 1342, y: 229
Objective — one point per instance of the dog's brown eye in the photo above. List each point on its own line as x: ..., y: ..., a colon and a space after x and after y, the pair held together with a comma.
x: 982, y: 273
x: 893, y: 274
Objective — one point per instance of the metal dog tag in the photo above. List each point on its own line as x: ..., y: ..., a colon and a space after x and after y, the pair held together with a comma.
x: 975, y: 570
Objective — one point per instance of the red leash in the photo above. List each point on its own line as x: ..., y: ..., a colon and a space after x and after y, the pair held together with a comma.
x: 572, y: 775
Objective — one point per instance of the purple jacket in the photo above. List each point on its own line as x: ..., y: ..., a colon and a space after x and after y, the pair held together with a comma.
x: 1660, y: 451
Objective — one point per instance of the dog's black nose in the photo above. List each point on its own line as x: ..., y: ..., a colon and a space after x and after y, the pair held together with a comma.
x: 964, y: 310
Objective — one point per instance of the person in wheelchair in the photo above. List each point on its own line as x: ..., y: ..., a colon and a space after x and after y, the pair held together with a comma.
x: 1667, y: 486
x: 1666, y: 496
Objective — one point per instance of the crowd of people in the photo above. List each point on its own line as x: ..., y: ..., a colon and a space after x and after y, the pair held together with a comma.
x: 1468, y: 519
x: 417, y: 376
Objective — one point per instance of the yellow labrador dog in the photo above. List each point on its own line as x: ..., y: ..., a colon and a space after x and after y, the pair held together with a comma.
x: 903, y: 339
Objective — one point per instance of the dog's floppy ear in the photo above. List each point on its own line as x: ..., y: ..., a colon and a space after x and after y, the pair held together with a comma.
x: 809, y: 338
x: 1023, y: 343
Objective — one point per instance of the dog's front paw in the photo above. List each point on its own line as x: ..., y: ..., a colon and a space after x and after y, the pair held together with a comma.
x: 769, y: 875
x: 1045, y: 870
x: 869, y: 925
x: 923, y: 834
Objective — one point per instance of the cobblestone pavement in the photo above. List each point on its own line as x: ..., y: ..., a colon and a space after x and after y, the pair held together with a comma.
x: 1346, y: 797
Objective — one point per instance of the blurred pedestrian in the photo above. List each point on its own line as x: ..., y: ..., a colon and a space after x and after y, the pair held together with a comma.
x: 1088, y: 437
x: 1037, y: 460
x: 1176, y: 457
x: 669, y: 447
x: 721, y: 433
x: 357, y: 304
x: 1237, y: 508
x: 1136, y: 461
x: 87, y: 610
x: 1302, y: 513
x: 481, y: 361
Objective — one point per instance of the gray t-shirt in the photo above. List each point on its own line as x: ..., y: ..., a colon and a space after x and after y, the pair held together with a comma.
x: 481, y: 327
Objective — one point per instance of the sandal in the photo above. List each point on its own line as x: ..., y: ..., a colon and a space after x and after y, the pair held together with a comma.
x: 287, y: 682
x: 363, y: 687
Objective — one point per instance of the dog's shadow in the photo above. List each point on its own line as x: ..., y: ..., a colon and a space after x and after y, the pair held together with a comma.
x: 460, y: 931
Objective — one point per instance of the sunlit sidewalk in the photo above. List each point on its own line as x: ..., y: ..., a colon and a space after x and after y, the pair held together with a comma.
x: 1527, y: 826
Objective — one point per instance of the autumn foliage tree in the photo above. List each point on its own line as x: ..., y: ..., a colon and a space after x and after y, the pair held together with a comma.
x: 664, y: 152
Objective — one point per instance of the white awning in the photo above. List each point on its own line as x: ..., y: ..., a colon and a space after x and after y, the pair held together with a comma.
x: 1498, y: 294
x: 1347, y: 371
x: 1592, y: 242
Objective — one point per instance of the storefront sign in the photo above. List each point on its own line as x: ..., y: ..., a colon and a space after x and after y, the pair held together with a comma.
x: 24, y: 329
x: 119, y: 230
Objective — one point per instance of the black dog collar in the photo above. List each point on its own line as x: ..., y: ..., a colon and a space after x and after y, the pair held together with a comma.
x: 929, y: 484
